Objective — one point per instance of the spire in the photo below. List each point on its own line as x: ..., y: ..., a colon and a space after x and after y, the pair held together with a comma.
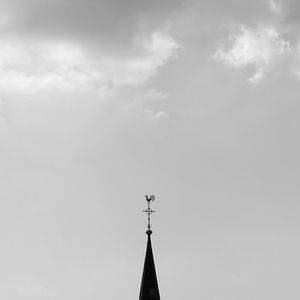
x: 149, y: 211
x: 149, y: 286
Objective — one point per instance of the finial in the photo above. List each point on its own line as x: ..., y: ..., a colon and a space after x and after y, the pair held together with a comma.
x: 149, y: 211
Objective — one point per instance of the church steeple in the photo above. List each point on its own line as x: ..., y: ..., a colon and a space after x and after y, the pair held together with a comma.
x: 149, y: 286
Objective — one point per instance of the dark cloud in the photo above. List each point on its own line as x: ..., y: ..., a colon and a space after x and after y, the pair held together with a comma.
x: 112, y: 21
x: 291, y: 9
x: 243, y: 12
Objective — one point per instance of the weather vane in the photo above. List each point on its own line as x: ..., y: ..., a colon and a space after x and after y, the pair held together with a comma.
x: 149, y: 211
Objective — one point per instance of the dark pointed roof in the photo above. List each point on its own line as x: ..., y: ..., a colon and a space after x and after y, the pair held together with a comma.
x: 149, y: 286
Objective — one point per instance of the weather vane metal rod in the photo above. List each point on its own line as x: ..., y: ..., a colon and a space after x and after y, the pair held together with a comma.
x: 149, y: 211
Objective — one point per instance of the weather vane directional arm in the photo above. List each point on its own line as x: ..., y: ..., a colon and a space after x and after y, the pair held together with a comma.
x: 149, y: 211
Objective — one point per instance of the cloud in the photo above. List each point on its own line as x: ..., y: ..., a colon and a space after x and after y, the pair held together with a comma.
x: 155, y: 115
x: 256, y: 48
x: 104, y: 23
x: 153, y: 94
x: 31, y: 66
x: 156, y: 52
x: 83, y: 44
x: 275, y: 6
x: 45, y: 65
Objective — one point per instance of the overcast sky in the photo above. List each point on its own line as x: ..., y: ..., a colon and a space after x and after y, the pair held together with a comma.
x: 103, y: 102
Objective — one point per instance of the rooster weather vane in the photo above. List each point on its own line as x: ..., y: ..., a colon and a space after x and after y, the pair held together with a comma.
x: 149, y: 211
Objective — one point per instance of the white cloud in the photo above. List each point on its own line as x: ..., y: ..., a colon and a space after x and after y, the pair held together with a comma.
x: 32, y: 66
x: 153, y: 94
x: 275, y: 6
x: 156, y: 52
x: 155, y: 115
x: 256, y: 48
x: 29, y: 66
x: 257, y: 76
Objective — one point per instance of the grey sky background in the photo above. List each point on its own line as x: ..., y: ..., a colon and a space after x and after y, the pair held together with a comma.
x: 103, y: 102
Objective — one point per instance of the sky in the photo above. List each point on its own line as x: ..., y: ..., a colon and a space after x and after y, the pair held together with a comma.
x: 104, y: 102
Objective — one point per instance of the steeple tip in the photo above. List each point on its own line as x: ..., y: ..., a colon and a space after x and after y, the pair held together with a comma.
x: 149, y: 211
